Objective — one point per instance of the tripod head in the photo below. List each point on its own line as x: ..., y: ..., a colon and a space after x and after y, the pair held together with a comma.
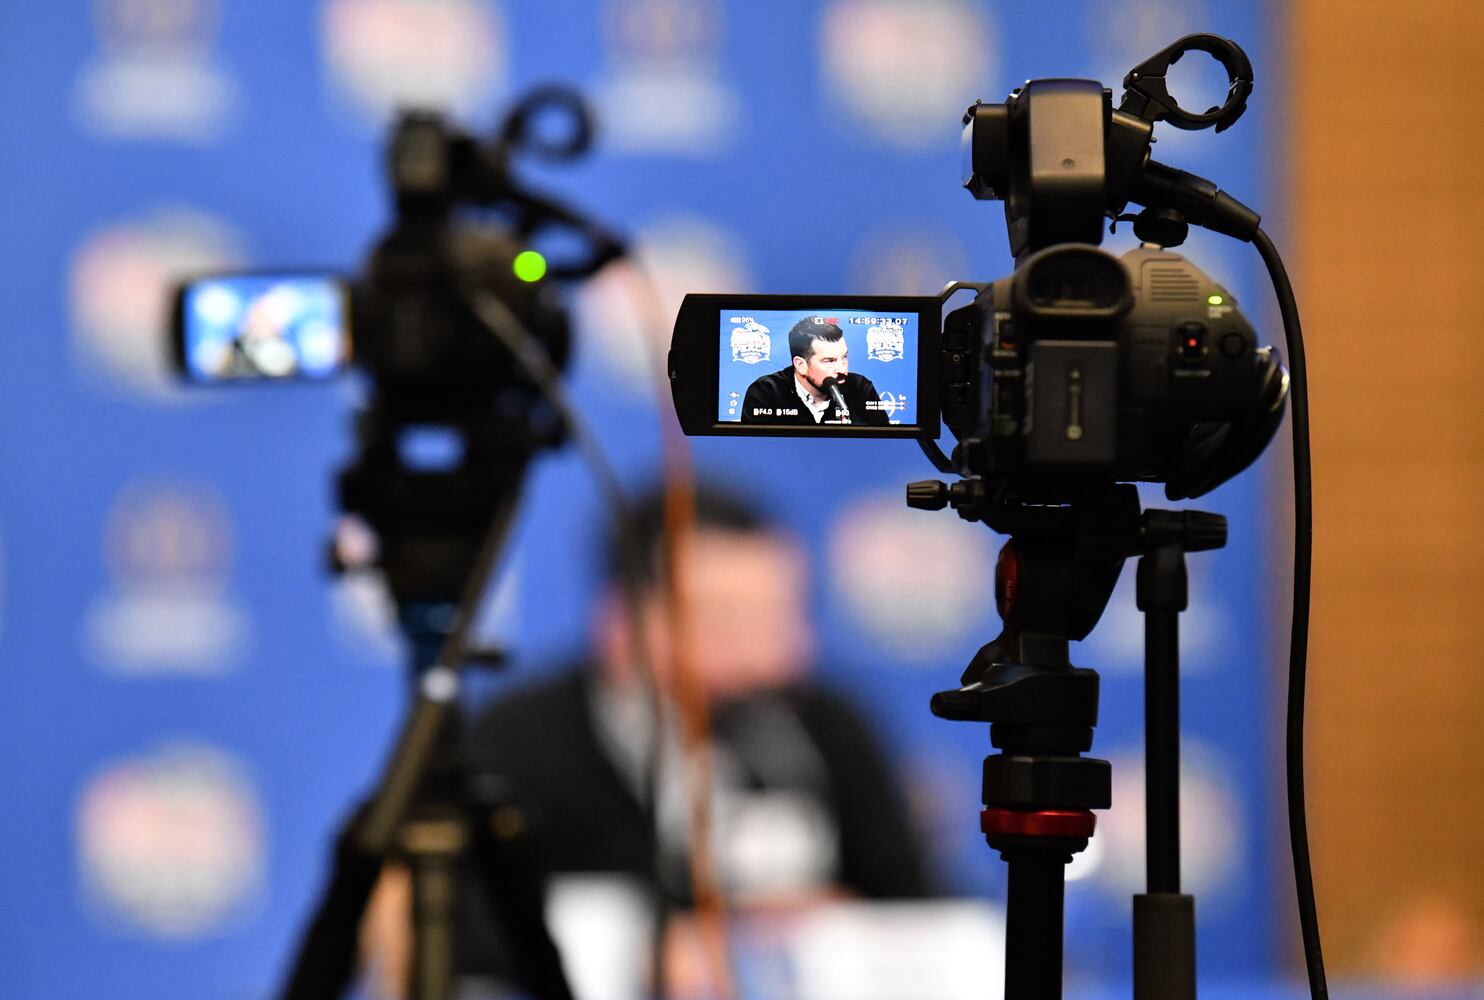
x: 1052, y: 583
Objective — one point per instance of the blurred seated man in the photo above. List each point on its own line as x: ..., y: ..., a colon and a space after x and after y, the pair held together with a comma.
x: 804, y: 805
x: 803, y: 800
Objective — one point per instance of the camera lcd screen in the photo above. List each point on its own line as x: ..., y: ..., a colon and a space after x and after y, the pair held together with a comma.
x: 261, y: 326
x: 818, y: 367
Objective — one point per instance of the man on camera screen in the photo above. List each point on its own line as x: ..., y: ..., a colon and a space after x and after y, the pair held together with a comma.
x: 818, y: 387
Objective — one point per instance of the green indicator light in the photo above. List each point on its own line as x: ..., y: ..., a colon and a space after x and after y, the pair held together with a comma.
x: 530, y: 266
x: 1214, y: 300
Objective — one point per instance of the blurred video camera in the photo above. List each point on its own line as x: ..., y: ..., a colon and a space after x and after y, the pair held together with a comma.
x: 451, y: 418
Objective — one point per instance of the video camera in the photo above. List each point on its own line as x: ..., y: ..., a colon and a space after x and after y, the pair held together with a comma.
x: 452, y: 417
x: 1077, y: 365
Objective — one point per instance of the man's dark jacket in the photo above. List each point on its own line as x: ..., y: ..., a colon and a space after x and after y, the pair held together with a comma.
x: 543, y: 741
x: 772, y: 399
x: 541, y: 747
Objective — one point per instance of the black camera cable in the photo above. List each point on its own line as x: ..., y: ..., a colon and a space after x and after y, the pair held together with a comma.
x: 1202, y: 203
x: 1303, y: 551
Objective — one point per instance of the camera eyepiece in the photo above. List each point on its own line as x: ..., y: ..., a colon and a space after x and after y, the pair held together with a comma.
x: 1072, y: 284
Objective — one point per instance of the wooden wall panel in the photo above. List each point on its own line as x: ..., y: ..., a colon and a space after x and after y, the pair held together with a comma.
x: 1386, y: 222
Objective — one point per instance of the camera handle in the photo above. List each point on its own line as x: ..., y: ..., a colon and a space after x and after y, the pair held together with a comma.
x: 1052, y: 581
x: 1147, y: 95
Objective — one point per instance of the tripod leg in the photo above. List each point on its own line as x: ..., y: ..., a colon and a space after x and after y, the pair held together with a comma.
x: 1164, y: 920
x: 1162, y: 597
x: 434, y: 846
x: 325, y: 963
x: 514, y: 884
x: 1164, y: 947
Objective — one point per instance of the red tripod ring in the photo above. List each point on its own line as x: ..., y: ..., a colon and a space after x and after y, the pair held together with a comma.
x: 1037, y: 823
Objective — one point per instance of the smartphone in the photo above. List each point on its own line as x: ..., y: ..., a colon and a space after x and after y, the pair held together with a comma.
x: 262, y: 326
x: 807, y: 365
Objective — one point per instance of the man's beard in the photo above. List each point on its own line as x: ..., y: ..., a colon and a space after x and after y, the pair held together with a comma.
x: 819, y: 390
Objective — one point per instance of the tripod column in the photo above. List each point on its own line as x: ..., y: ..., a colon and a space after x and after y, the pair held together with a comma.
x: 1052, y: 581
x: 1033, y: 922
x: 1037, y: 845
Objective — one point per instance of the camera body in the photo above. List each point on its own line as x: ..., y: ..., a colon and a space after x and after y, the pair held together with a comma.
x: 1083, y: 363
x: 417, y: 332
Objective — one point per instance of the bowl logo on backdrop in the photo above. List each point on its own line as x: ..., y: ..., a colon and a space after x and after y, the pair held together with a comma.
x: 663, y: 89
x: 917, y: 583
x: 155, y: 77
x: 678, y: 254
x: 752, y: 342
x: 885, y: 342
x: 891, y: 402
x: 171, y: 842
x: 166, y: 610
x: 906, y: 68
x: 385, y: 55
x: 123, y: 275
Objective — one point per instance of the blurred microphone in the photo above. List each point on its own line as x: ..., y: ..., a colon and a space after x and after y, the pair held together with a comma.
x: 832, y: 385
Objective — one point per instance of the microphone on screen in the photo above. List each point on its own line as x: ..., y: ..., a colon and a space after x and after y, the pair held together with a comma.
x: 832, y: 386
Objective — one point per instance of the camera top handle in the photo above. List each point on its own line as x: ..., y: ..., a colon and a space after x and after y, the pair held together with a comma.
x: 1147, y: 96
x: 1062, y: 158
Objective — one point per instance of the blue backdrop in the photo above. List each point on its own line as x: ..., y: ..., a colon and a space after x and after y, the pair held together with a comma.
x: 189, y: 703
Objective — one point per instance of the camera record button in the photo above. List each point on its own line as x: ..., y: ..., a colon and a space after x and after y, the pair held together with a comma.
x: 1192, y: 341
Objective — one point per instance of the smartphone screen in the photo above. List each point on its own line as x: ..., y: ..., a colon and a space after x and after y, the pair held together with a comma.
x: 806, y: 365
x: 262, y: 326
